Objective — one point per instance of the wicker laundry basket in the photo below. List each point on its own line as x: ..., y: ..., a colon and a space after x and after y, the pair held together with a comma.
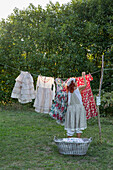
x: 73, y: 146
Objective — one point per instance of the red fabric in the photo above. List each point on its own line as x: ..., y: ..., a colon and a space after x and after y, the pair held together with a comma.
x: 87, y: 97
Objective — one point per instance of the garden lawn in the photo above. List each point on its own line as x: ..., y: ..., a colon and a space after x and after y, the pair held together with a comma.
x: 26, y: 142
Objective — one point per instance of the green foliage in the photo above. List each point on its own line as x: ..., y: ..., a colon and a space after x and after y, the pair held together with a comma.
x: 107, y: 104
x: 59, y: 41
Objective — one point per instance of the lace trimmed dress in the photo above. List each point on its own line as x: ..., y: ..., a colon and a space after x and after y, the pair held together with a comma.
x: 24, y: 88
x: 45, y: 92
x: 75, y: 118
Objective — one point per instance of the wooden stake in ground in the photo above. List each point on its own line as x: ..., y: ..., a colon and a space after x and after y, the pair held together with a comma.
x: 98, y: 103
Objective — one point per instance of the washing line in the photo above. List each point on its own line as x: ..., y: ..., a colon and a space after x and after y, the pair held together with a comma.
x: 107, y: 69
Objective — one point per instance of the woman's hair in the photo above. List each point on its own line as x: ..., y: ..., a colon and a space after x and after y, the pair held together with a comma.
x: 70, y: 88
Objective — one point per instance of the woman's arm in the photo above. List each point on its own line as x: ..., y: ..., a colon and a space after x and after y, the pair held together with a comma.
x: 69, y: 98
x: 85, y: 83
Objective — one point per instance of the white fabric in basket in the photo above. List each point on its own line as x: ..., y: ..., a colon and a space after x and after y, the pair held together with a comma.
x: 76, y: 140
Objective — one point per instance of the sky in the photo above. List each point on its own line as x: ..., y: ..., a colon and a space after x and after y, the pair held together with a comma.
x: 7, y: 6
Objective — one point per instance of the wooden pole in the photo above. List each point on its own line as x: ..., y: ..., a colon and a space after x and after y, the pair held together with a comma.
x: 101, y: 80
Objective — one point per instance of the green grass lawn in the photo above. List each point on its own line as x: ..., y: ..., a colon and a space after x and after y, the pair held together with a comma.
x: 26, y: 142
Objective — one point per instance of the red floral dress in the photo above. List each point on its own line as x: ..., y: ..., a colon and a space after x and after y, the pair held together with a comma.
x: 87, y: 97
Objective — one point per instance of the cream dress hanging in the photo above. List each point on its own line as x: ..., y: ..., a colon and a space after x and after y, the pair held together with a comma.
x: 24, y: 88
x: 75, y: 118
x: 45, y: 92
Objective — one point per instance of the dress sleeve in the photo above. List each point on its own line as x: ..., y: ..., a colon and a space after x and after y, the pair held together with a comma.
x: 90, y: 77
x: 69, y: 98
x: 38, y: 81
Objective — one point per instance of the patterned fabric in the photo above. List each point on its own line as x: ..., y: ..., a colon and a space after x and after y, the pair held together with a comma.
x: 75, y: 117
x: 45, y: 92
x: 24, y: 88
x: 59, y: 107
x: 87, y: 97
x: 60, y: 84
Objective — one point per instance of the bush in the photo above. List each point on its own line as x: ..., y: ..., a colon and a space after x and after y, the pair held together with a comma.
x: 106, y: 108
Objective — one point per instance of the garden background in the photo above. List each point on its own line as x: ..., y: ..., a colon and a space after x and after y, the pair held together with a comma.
x: 59, y: 41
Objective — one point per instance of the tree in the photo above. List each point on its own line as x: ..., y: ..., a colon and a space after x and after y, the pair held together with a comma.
x: 60, y: 41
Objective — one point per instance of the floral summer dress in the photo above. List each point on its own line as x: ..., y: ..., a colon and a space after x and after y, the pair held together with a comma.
x: 87, y: 97
x: 59, y: 106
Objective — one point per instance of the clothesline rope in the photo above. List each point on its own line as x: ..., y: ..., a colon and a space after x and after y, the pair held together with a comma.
x: 62, y: 78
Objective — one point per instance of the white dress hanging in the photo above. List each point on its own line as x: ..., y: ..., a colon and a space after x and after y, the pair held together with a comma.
x: 45, y: 92
x: 24, y: 88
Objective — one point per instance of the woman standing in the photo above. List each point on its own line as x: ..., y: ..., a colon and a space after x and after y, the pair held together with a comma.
x: 75, y: 118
